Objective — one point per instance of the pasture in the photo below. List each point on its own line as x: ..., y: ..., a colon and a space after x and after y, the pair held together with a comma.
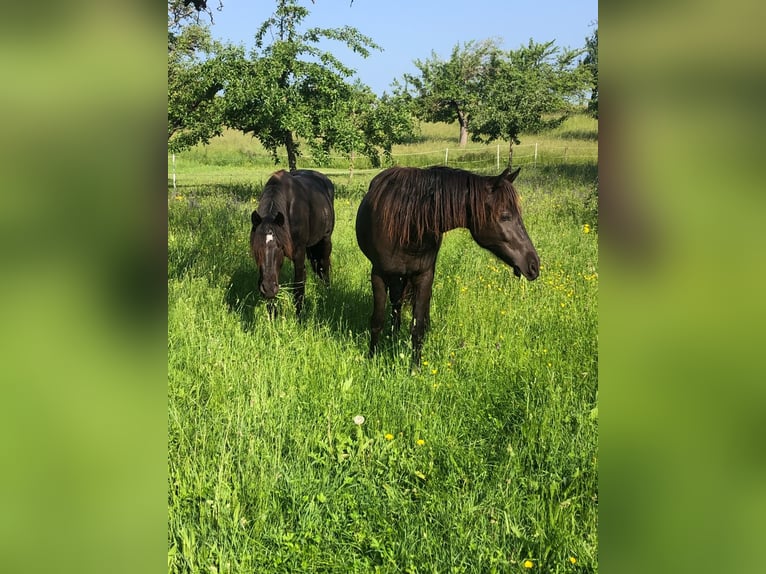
x: 483, y: 461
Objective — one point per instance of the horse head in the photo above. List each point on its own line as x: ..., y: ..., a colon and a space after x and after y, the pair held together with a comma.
x: 269, y: 249
x: 502, y: 230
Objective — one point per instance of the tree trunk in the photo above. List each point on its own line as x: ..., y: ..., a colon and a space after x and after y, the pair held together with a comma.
x: 463, y: 121
x: 510, y: 154
x: 292, y: 157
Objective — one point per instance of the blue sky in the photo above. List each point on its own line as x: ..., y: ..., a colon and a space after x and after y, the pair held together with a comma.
x: 411, y: 29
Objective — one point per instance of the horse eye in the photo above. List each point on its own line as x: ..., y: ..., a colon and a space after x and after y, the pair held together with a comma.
x: 505, y: 216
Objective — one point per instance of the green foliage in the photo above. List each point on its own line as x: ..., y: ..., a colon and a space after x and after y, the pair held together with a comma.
x: 287, y: 93
x: 291, y: 92
x: 446, y: 91
x: 528, y: 90
x: 367, y: 124
x: 590, y: 62
x: 498, y: 95
x: 195, y: 79
x: 484, y: 459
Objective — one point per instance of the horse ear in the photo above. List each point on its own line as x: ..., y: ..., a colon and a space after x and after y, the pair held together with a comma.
x: 255, y: 218
x: 511, y: 175
x: 507, y: 175
x: 279, y: 219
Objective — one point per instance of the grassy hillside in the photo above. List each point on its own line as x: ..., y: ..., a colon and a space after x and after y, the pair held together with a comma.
x: 575, y: 141
x: 484, y: 461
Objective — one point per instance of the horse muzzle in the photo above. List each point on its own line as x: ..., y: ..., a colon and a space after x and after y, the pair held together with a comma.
x: 533, y: 267
x: 268, y: 290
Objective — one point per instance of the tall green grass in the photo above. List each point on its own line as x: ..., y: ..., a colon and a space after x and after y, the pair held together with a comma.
x: 482, y: 461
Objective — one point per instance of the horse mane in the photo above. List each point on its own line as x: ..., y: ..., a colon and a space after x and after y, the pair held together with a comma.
x: 413, y: 202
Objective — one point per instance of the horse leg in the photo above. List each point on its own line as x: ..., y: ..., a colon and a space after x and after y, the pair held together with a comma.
x: 325, y: 259
x: 378, y: 309
x: 313, y: 259
x: 320, y: 259
x: 421, y: 304
x: 396, y: 292
x: 427, y: 318
x: 299, y: 279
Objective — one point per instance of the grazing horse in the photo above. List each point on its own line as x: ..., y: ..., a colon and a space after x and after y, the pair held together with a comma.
x: 400, y: 224
x: 295, y: 218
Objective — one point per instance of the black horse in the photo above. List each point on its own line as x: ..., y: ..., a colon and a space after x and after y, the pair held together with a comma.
x: 400, y: 224
x: 295, y: 218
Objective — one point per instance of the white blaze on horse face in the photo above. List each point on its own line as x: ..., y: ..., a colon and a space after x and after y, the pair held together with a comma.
x: 269, y: 237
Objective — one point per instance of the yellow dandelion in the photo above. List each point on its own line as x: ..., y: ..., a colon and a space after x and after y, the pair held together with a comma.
x: 389, y: 436
x: 586, y: 228
x: 528, y: 564
x: 420, y: 442
x: 434, y: 371
x: 573, y: 560
x: 425, y: 363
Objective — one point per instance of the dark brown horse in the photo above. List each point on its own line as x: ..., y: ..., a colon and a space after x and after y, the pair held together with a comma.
x: 400, y: 224
x: 295, y: 218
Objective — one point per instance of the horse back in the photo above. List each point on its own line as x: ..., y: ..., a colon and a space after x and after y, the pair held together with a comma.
x: 312, y: 215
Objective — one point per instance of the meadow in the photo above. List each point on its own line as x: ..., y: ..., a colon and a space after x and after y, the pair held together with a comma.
x: 486, y: 460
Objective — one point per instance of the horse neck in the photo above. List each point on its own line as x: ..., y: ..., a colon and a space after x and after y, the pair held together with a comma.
x: 460, y: 214
x: 473, y: 204
x: 273, y: 201
x: 449, y: 210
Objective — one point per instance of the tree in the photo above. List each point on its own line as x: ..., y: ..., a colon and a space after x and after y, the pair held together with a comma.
x: 590, y: 62
x: 527, y: 90
x: 196, y: 75
x: 446, y: 91
x: 290, y: 89
x: 201, y: 5
x: 195, y: 112
x: 181, y: 12
x: 361, y: 123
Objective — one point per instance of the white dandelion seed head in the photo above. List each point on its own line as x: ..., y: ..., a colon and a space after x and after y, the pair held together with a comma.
x: 359, y: 420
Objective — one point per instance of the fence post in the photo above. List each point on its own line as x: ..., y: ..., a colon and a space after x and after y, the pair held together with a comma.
x: 446, y: 155
x: 174, y: 172
x: 535, y: 154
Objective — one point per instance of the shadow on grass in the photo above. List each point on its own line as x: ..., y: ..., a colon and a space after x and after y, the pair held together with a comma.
x: 242, y: 296
x: 343, y: 309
